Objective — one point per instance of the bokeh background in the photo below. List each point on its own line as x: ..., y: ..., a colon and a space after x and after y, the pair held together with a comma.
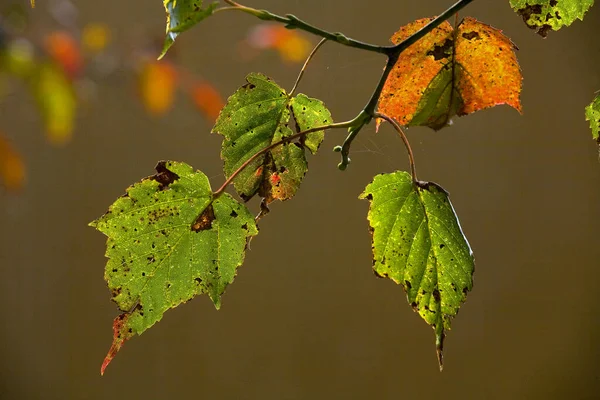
x: 306, y: 318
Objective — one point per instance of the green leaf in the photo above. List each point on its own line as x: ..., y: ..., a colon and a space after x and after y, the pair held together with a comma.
x: 546, y: 15
x: 592, y: 114
x: 183, y: 15
x: 257, y: 116
x: 418, y: 243
x: 168, y: 241
x: 309, y: 113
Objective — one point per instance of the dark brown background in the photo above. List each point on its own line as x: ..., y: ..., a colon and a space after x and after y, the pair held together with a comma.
x: 306, y: 318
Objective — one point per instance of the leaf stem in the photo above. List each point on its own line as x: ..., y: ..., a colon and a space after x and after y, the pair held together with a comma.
x: 285, y: 140
x: 411, y: 156
x: 301, y: 74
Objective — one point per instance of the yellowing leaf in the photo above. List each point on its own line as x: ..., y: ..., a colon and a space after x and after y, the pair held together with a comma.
x: 158, y: 81
x: 451, y: 72
x: 12, y: 168
x: 95, y: 37
x: 57, y: 102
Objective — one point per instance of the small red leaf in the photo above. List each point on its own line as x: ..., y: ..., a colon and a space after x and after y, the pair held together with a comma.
x: 121, y: 333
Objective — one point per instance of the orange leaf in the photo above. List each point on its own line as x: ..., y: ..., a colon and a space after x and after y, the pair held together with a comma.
x: 12, y: 168
x: 207, y: 99
x: 64, y: 49
x: 451, y: 72
x: 158, y: 81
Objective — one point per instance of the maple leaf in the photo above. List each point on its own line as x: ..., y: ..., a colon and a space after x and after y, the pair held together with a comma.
x: 451, y: 72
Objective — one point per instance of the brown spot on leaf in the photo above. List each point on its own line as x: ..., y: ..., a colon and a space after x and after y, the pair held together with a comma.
x: 163, y: 176
x: 471, y: 35
x: 204, y: 221
x: 534, y: 11
x: 442, y: 51
x: 436, y: 295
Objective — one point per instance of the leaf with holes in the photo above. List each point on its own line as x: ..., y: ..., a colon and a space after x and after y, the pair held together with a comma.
x: 451, y: 72
x: 546, y: 15
x: 257, y: 116
x: 592, y: 114
x: 309, y: 113
x: 418, y: 243
x: 183, y: 15
x: 168, y: 241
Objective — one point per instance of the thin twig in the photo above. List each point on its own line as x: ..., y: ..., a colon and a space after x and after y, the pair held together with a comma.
x: 292, y: 21
x: 310, y: 56
x: 285, y: 140
x: 392, y: 52
x: 411, y: 157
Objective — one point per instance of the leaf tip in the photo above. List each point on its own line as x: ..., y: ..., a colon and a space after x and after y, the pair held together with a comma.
x: 439, y: 347
x: 120, y: 336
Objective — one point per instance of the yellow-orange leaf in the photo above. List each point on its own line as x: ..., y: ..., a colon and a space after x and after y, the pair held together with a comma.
x: 158, y: 81
x: 451, y: 72
x: 12, y: 168
x: 207, y: 99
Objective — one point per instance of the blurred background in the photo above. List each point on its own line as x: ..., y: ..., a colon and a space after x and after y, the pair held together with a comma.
x: 305, y: 318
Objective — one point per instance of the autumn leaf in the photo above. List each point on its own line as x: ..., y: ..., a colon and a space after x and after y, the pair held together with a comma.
x: 12, y: 167
x: 546, y: 15
x: 65, y: 51
x: 157, y: 85
x: 207, y: 99
x: 451, y: 72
